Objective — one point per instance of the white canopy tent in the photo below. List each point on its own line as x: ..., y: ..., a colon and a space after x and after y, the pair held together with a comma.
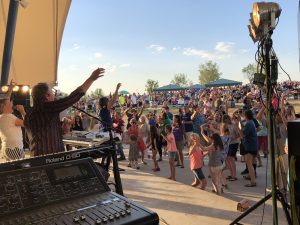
x: 37, y: 40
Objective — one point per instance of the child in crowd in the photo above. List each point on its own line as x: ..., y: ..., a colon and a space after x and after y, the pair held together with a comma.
x: 225, y: 136
x: 196, y: 161
x: 215, y: 159
x: 144, y: 134
x: 178, y: 131
x: 133, y: 133
x: 154, y: 139
x: 171, y: 149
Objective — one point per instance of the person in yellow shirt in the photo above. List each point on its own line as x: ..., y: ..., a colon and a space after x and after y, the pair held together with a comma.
x: 121, y: 100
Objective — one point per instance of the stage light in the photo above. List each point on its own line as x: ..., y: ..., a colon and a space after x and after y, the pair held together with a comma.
x: 262, y: 19
x: 25, y: 88
x: 16, y: 88
x: 4, y: 89
x: 263, y: 13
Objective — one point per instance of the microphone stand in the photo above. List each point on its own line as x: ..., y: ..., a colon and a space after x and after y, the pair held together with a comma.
x: 118, y: 183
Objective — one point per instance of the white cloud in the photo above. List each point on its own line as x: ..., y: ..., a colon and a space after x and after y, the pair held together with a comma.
x: 156, y: 48
x: 75, y: 47
x: 98, y: 55
x: 225, y: 47
x: 176, y: 49
x: 124, y: 65
x: 222, y: 50
x: 196, y: 52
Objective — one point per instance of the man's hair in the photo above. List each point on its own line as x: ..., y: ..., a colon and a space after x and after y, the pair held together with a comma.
x: 249, y: 114
x: 103, y: 102
x: 39, y: 92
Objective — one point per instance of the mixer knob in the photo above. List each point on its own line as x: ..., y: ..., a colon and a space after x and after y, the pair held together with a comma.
x: 82, y: 217
x: 75, y: 219
x: 128, y: 211
x: 104, y: 219
x: 98, y: 221
x: 127, y: 204
x: 122, y: 213
x: 117, y: 215
x: 111, y: 217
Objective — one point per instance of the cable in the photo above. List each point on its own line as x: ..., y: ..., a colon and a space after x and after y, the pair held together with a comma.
x: 273, y: 51
x: 264, y: 206
x: 284, y: 71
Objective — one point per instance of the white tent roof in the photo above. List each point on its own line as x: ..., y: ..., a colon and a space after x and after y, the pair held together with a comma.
x: 37, y: 40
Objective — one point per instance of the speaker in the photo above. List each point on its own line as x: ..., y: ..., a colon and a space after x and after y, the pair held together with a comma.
x: 294, y: 169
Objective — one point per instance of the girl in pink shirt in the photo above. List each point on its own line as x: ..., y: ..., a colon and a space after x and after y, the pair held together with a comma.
x: 171, y: 149
x: 196, y: 161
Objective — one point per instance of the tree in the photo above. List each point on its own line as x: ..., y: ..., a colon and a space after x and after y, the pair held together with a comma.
x: 208, y: 72
x: 98, y: 93
x: 180, y: 79
x: 249, y: 71
x: 151, y: 85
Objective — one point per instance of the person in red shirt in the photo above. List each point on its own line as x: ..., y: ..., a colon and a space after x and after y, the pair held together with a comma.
x: 196, y: 162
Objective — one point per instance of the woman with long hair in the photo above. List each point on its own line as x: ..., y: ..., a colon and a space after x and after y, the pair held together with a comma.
x: 235, y: 139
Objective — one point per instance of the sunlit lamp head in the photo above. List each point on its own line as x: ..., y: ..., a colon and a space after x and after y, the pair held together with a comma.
x: 262, y: 19
x: 262, y: 10
x: 4, y: 89
x: 25, y: 89
x: 16, y: 88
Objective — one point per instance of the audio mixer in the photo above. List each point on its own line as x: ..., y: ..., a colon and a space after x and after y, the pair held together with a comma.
x: 70, y: 192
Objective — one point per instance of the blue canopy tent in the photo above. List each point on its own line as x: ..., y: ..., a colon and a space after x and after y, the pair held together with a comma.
x: 223, y: 82
x: 196, y: 87
x: 169, y: 87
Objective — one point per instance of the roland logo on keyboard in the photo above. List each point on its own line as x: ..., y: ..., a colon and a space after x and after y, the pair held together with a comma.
x: 63, y: 158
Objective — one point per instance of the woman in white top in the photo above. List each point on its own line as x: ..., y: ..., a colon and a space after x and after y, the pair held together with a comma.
x: 10, y: 130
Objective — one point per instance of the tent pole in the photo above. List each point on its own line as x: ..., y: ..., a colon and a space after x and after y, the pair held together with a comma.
x: 9, y: 40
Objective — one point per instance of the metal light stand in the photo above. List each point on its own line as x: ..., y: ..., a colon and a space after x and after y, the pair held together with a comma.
x: 118, y: 183
x: 276, y: 193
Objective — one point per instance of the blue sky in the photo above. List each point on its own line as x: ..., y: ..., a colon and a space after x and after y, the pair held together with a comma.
x: 136, y: 40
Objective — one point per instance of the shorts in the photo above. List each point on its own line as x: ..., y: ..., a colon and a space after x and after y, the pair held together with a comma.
x: 172, y: 155
x: 180, y: 145
x: 199, y: 175
x: 254, y: 153
x: 233, y: 150
x: 215, y: 169
x: 263, y: 140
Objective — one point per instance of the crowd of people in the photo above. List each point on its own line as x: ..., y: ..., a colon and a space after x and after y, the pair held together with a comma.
x: 201, y: 123
x: 204, y: 127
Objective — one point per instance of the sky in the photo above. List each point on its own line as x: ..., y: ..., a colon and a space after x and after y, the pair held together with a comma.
x: 136, y: 40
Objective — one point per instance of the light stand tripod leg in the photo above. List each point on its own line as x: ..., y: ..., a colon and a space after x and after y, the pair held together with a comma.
x: 280, y: 197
